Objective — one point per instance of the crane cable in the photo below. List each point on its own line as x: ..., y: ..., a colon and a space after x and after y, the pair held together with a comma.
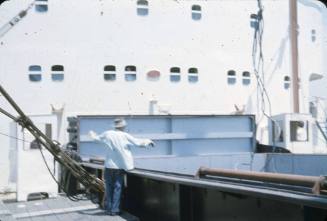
x: 9, y: 25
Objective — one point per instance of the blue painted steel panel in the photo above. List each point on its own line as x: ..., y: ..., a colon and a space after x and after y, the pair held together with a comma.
x: 175, y: 135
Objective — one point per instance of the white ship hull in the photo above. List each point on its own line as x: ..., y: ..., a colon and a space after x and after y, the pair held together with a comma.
x: 85, y: 36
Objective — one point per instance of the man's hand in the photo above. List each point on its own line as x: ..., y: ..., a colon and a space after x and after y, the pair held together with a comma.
x: 92, y: 134
x: 152, y: 144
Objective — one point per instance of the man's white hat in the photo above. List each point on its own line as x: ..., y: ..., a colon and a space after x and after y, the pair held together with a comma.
x: 120, y: 123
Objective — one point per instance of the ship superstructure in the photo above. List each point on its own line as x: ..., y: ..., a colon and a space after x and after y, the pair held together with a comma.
x: 66, y: 58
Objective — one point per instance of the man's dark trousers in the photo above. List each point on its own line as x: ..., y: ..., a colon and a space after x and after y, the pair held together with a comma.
x: 114, y: 179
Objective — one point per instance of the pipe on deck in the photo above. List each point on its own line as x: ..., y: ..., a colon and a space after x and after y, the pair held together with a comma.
x: 316, y: 183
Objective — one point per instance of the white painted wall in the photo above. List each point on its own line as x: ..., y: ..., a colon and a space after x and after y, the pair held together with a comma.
x: 85, y: 35
x: 32, y: 174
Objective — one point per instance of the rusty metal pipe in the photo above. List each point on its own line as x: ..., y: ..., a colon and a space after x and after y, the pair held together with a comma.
x: 295, y: 54
x: 317, y: 183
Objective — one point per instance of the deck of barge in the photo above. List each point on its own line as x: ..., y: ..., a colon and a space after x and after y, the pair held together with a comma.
x: 60, y: 208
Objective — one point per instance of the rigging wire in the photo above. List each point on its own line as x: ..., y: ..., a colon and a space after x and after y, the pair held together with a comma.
x: 259, y: 66
x: 13, y: 137
x: 258, y: 60
x: 259, y: 72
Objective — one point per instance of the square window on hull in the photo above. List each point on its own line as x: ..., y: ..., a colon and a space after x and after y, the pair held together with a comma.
x: 231, y: 81
x: 109, y: 77
x: 196, y: 16
x: 175, y: 78
x: 35, y: 73
x: 142, y: 8
x: 196, y: 12
x: 130, y: 77
x: 231, y: 77
x: 57, y: 77
x: 142, y: 11
x: 246, y: 78
x: 35, y: 77
x: 109, y: 73
x: 41, y: 6
x: 130, y: 73
x: 193, y: 75
x: 57, y: 73
x: 175, y: 74
x: 193, y: 78
x: 287, y: 82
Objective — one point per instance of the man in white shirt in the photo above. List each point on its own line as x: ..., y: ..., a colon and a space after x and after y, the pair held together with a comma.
x: 118, y: 160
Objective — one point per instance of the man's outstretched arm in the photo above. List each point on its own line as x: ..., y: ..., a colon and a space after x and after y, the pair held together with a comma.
x: 139, y: 142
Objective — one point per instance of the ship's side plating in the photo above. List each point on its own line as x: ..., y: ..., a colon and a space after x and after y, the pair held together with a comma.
x: 156, y: 44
